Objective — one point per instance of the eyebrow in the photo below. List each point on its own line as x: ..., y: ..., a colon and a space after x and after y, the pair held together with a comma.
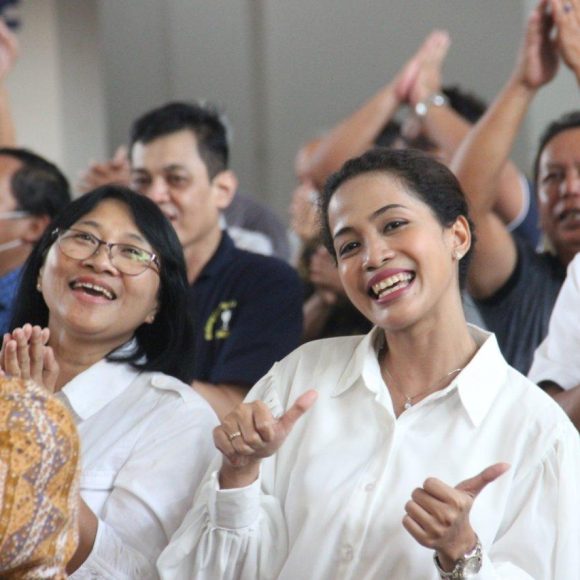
x: 97, y: 226
x: 377, y: 213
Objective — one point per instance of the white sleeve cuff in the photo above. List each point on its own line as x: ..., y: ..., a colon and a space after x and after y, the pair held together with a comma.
x: 233, y: 508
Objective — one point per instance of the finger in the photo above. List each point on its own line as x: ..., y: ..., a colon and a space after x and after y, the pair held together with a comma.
x: 121, y: 155
x: 5, y: 338
x: 36, y: 350
x: 51, y: 369
x: 22, y: 351
x: 300, y: 406
x: 415, y: 529
x: 45, y: 335
x: 474, y: 485
x: 264, y: 422
x: 11, y: 365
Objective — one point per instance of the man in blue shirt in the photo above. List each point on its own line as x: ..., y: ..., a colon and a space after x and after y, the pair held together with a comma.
x: 32, y: 191
x: 247, y: 307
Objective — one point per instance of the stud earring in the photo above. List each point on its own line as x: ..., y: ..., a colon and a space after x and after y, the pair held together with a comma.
x: 38, y: 287
x: 457, y: 255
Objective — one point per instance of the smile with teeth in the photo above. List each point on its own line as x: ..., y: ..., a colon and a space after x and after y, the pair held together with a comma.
x: 392, y: 283
x: 93, y: 289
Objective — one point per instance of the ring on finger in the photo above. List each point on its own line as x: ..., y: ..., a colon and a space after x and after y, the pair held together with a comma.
x: 232, y: 436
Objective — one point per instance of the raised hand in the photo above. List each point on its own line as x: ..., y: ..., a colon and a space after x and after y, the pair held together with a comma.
x: 424, y: 66
x: 428, y: 79
x: 25, y: 354
x: 251, y: 433
x: 537, y: 62
x: 9, y: 50
x: 438, y: 514
x: 116, y: 170
x: 566, y: 16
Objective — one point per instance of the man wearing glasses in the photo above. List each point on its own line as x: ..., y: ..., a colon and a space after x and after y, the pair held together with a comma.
x: 32, y: 192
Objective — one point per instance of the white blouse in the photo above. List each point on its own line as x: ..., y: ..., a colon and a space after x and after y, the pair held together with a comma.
x: 330, y: 503
x: 557, y: 359
x: 146, y: 442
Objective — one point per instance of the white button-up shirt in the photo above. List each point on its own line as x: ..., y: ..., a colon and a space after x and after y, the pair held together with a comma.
x: 329, y: 504
x: 557, y: 359
x: 146, y: 442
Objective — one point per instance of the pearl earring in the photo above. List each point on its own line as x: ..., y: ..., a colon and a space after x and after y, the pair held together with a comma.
x: 38, y: 287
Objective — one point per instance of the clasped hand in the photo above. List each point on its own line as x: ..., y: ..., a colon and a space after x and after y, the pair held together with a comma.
x: 25, y: 354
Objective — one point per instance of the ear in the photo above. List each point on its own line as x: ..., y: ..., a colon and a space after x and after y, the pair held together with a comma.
x: 151, y: 316
x: 224, y: 186
x: 460, y: 237
x: 36, y: 226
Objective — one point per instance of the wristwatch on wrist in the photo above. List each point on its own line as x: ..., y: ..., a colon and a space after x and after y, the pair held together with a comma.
x: 433, y: 100
x: 466, y: 567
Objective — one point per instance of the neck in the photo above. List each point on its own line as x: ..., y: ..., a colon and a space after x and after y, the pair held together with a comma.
x: 76, y: 354
x: 198, y: 254
x: 420, y: 359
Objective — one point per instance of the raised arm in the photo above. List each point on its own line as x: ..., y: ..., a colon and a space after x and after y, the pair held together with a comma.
x: 8, y: 55
x: 357, y: 133
x: 491, y: 139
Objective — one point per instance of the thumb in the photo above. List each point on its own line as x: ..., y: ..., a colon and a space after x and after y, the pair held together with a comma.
x: 474, y: 485
x: 300, y: 406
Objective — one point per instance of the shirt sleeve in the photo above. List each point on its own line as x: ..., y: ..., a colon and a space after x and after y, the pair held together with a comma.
x: 540, y: 536
x: 152, y: 491
x: 267, y: 324
x: 231, y: 534
x: 556, y: 359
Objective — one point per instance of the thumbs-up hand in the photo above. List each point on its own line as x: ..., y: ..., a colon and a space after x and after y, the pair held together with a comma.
x: 438, y: 514
x: 251, y: 433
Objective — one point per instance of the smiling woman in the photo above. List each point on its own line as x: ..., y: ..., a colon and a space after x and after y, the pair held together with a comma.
x: 102, y: 320
x: 421, y: 452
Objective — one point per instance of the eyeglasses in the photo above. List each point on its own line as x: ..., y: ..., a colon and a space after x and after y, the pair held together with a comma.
x: 14, y: 215
x: 129, y: 260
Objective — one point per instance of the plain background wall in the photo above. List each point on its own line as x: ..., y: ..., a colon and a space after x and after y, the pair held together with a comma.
x: 283, y: 70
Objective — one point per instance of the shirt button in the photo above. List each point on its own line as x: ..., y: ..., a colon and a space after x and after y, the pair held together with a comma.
x: 370, y: 486
x: 347, y: 553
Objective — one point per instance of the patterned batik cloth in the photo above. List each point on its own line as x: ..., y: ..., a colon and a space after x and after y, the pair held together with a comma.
x: 39, y: 462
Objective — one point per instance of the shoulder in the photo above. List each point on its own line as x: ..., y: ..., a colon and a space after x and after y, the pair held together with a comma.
x: 174, y: 397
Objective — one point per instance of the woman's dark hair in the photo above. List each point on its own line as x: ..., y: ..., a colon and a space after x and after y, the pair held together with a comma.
x: 167, y: 343
x: 423, y: 177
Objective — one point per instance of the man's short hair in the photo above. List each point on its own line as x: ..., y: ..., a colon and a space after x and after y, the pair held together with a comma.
x: 566, y: 122
x: 204, y: 121
x: 39, y: 187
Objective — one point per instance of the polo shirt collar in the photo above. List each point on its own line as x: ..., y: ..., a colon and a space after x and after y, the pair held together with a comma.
x: 477, y: 385
x: 97, y: 386
x: 221, y: 257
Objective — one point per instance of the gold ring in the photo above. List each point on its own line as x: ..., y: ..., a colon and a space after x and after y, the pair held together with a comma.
x: 234, y: 435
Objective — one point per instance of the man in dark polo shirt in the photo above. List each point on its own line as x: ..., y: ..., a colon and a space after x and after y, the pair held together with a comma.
x: 247, y: 307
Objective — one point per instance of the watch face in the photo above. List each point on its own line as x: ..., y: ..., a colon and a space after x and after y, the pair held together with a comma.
x: 472, y: 566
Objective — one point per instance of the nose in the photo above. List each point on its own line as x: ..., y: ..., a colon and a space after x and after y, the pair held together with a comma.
x: 377, y: 251
x: 100, y: 261
x: 158, y: 191
x: 571, y: 183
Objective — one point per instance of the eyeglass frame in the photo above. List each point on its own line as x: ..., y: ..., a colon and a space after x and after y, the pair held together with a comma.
x: 154, y: 259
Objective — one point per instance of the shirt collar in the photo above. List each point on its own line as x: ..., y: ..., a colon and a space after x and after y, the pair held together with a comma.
x: 477, y: 384
x: 221, y: 256
x: 98, y: 385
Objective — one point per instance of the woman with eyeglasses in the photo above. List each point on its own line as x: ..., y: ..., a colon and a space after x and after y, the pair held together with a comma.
x: 102, y: 321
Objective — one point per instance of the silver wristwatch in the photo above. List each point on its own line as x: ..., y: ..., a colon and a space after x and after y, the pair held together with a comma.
x: 466, y: 567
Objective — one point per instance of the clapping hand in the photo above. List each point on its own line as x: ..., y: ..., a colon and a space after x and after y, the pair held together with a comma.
x: 251, y: 433
x: 438, y: 514
x: 566, y: 17
x: 116, y: 170
x: 25, y: 354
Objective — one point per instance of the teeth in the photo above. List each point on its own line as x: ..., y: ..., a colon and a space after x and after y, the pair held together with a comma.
x: 95, y: 288
x: 391, y: 283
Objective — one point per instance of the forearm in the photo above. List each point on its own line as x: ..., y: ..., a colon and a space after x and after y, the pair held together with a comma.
x: 352, y: 137
x: 88, y: 525
x: 7, y: 129
x: 223, y: 398
x: 569, y: 400
x: 491, y: 139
